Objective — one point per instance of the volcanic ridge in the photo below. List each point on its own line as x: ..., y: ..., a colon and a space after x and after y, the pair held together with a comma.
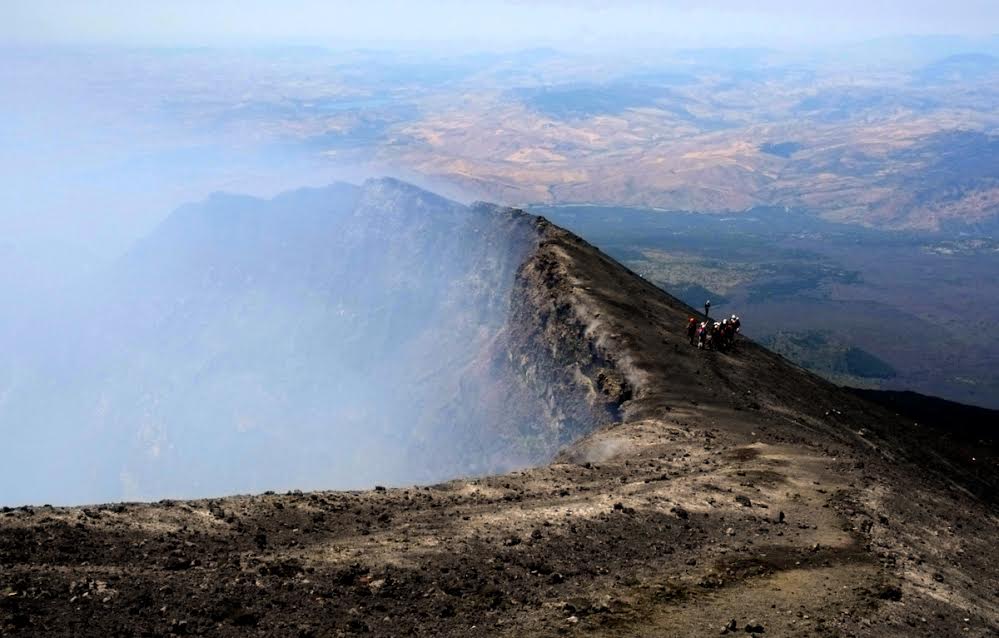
x: 676, y: 492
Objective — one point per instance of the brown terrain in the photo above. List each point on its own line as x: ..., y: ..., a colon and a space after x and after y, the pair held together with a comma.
x: 724, y: 493
x: 895, y: 169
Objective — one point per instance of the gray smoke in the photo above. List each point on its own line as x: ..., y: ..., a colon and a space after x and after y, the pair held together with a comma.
x: 327, y: 338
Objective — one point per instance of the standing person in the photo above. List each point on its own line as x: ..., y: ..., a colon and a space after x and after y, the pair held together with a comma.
x: 734, y: 324
x: 707, y: 308
x: 692, y: 331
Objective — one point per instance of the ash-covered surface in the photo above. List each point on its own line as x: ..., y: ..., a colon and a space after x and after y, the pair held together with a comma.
x: 739, y: 495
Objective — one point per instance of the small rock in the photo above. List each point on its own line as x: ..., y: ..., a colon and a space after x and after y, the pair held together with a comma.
x: 743, y: 500
x: 356, y: 626
x: 754, y: 628
x: 578, y: 606
x: 177, y: 563
x: 711, y: 581
x: 891, y: 592
x: 245, y: 618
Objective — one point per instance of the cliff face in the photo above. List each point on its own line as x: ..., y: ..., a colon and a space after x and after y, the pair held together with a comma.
x: 698, y: 493
x: 550, y: 355
x: 250, y: 344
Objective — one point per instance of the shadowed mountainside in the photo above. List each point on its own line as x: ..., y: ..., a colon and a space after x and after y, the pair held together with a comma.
x: 249, y: 344
x: 738, y: 493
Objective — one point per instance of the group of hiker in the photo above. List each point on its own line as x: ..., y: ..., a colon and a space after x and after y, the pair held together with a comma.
x: 713, y: 335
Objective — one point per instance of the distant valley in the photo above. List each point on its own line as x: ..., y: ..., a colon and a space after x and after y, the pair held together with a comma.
x: 862, y: 307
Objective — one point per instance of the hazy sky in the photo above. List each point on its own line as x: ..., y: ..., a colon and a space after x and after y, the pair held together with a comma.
x: 486, y: 22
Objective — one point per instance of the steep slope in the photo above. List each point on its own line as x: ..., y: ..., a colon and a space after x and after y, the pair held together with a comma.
x: 249, y: 344
x: 737, y: 493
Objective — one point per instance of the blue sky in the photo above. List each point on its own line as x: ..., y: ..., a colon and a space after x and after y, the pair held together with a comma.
x: 485, y: 23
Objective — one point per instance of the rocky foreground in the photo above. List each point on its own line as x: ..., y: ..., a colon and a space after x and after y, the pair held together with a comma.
x: 737, y: 495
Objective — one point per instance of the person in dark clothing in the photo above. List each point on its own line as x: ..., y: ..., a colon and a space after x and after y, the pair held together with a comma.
x: 713, y: 335
x: 707, y: 308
